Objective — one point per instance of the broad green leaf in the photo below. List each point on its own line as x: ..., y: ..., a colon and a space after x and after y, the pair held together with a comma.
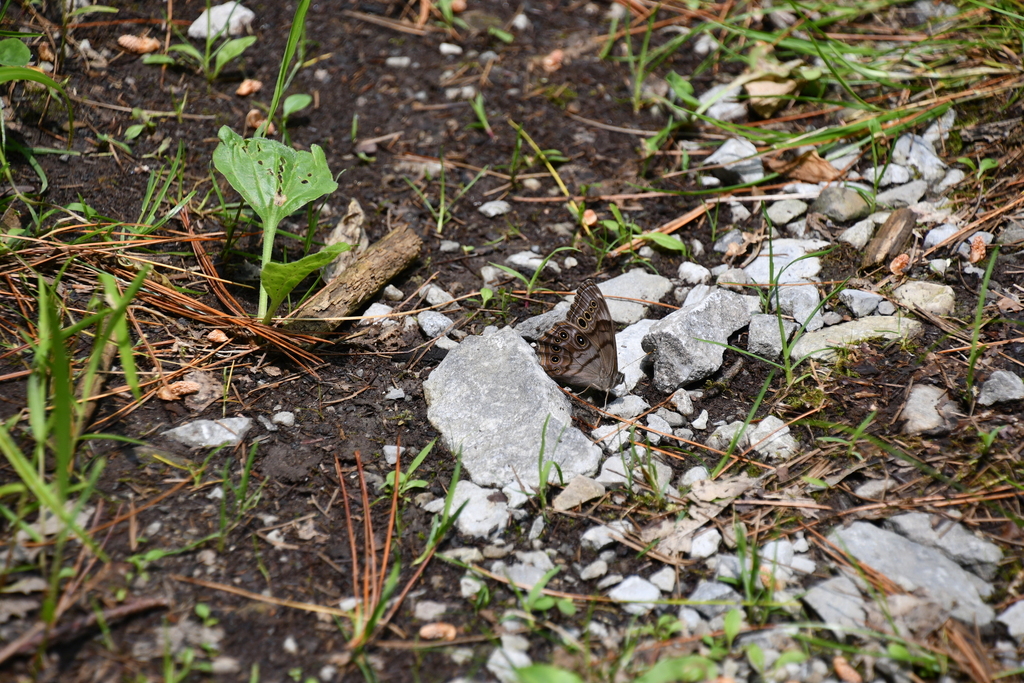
x: 157, y: 59
x: 683, y: 89
x: 295, y: 103
x: 281, y: 278
x: 687, y: 669
x: 187, y: 49
x: 755, y: 655
x: 13, y: 52
x: 789, y: 657
x: 566, y: 607
x: 665, y: 241
x: 132, y: 132
x: 274, y: 179
x: 545, y: 673
x: 733, y: 621
x: 230, y: 50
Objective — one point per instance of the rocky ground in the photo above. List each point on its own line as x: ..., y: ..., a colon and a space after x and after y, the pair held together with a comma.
x: 804, y: 222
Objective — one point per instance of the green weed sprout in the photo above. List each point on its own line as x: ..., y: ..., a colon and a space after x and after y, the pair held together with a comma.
x: 276, y: 180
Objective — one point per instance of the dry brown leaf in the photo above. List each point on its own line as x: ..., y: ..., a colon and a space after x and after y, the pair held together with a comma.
x: 768, y: 96
x: 255, y: 118
x: 553, y: 61
x: 808, y: 167
x: 217, y: 336
x: 175, y: 390
x: 438, y: 631
x: 899, y: 265
x: 1007, y: 305
x: 140, y: 45
x: 978, y: 249
x: 46, y: 53
x: 845, y: 672
x: 248, y: 87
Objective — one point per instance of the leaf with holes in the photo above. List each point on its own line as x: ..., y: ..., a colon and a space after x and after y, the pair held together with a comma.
x: 274, y: 179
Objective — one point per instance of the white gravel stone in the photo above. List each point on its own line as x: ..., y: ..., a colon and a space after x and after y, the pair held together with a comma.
x: 232, y: 16
x: 498, y: 207
x: 638, y: 595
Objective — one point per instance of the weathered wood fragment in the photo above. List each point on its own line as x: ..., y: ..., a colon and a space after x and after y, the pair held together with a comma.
x: 891, y: 239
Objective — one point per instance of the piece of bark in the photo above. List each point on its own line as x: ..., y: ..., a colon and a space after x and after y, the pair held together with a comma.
x: 891, y: 239
x: 388, y: 257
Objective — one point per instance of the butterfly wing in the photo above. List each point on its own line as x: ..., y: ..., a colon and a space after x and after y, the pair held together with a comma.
x: 580, y: 351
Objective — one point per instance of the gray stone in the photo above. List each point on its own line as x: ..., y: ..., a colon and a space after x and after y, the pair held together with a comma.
x: 285, y: 418
x: 601, y: 536
x: 594, y: 570
x: 500, y: 446
x: 893, y: 174
x: 227, y: 431
x: 435, y: 296
x: 680, y: 342
x: 820, y: 344
x: 637, y: 284
x: 712, y: 599
x: 392, y: 293
x: 940, y: 128
x: 737, y: 162
x: 671, y: 418
x: 433, y: 323
x: 228, y: 19
x: 838, y: 602
x: 536, y: 327
x: 789, y: 262
x: 1013, y: 619
x: 398, y: 62
x: 928, y: 411
x: 658, y: 424
x: 724, y: 434
x: 859, y: 302
x: 664, y: 579
x: 627, y: 407
x: 637, y: 594
x: 841, y: 204
x: 701, y: 421
x: 917, y: 153
x: 723, y: 243
x: 782, y: 212
x: 725, y: 103
x: 492, y: 209
x: 612, y: 438
x: 580, y: 490
x: 735, y: 279
x: 693, y: 475
x: 528, y: 262
x: 528, y: 571
x: 802, y: 303
x: 902, y: 195
x: 693, y: 274
x: 632, y: 357
x: 928, y: 296
x: 955, y: 542
x: 1012, y: 233
x: 374, y: 314
x: 915, y: 567
x: 705, y: 544
x: 504, y: 661
x: 614, y: 472
x: 764, y: 338
x: 1001, y: 386
x: 428, y: 610
x: 953, y: 177
x: 682, y: 401
x: 939, y: 234
x: 771, y: 438
x: 738, y: 212
x: 886, y: 307
x: 481, y: 516
x: 858, y: 234
x: 874, y: 489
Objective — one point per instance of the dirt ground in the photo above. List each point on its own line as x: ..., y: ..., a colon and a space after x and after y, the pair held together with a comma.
x: 583, y: 110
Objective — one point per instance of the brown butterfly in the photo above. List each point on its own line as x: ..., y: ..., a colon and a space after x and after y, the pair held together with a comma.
x: 580, y: 350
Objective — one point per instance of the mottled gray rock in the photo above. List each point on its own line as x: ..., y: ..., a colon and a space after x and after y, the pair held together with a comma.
x: 693, y: 274
x: 781, y: 213
x: 594, y: 570
x: 725, y: 105
x: 764, y: 337
x: 738, y: 160
x: 637, y: 595
x: 820, y: 344
x: 1013, y: 619
x: 528, y: 571
x: 528, y: 262
x: 723, y: 243
x: 636, y: 284
x: 735, y: 279
x: 955, y: 542
x: 580, y: 490
x: 492, y: 209
x: 928, y: 411
x: 435, y: 296
x: 859, y: 302
x: 902, y: 195
x: 433, y: 323
x: 374, y: 315
x: 627, y: 407
x: 680, y: 355
x: 939, y: 234
x: 724, y: 434
x: 771, y: 438
x: 893, y: 174
x: 664, y: 579
x: 917, y: 153
x: 482, y: 515
x: 838, y: 602
x: 1001, y: 386
x: 859, y: 234
x: 536, y: 327
x: 227, y: 431
x: 929, y: 296
x: 228, y: 19
x: 801, y: 302
x: 953, y: 177
x: 612, y: 438
x: 841, y: 204
x: 1012, y: 233
x: 614, y: 472
x: 500, y: 446
x: 504, y: 661
x: 886, y: 307
x: 632, y: 357
x: 705, y: 544
x: 789, y: 262
x: 693, y: 475
x: 713, y: 599
x: 915, y: 567
x: 600, y: 537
